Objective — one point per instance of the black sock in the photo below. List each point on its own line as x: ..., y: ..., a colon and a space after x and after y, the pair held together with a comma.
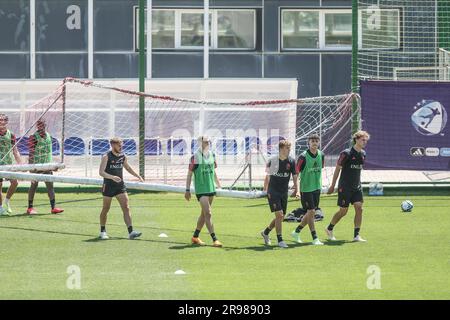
x: 196, y: 233
x: 330, y: 227
x: 267, y: 231
x: 130, y: 229
x: 52, y: 203
x: 102, y: 228
x: 30, y: 204
x: 279, y: 237
x: 314, y: 234
x: 298, y: 229
x: 213, y: 236
x: 356, y: 232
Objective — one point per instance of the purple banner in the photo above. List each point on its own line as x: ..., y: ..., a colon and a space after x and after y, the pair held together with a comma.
x: 408, y: 124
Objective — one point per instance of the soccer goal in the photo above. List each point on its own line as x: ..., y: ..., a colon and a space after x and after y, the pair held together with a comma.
x: 441, y: 72
x: 402, y: 48
x: 403, y: 40
x: 81, y: 116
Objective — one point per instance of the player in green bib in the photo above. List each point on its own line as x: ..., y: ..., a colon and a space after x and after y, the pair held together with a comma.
x: 7, y: 142
x: 41, y: 151
x: 203, y: 166
x: 309, y: 166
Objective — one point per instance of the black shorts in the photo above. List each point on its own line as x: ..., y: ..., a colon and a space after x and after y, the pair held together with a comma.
x: 310, y: 200
x: 348, y: 196
x: 110, y: 190
x: 277, y: 202
x: 212, y: 194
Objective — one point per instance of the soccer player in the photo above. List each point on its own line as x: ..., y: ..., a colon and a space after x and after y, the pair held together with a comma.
x: 203, y: 166
x: 309, y: 167
x: 276, y: 184
x: 40, y: 151
x: 111, y: 169
x: 350, y: 162
x: 7, y: 141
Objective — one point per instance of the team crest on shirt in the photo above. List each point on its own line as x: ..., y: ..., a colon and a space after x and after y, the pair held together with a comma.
x: 288, y: 166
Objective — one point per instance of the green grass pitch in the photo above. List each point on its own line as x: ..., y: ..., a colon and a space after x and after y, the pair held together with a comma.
x: 411, y: 250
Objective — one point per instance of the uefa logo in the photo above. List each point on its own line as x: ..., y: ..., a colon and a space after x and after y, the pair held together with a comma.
x: 429, y: 118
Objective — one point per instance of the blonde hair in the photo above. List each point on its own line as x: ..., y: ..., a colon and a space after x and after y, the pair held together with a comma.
x: 284, y: 144
x: 115, y: 140
x: 360, y: 134
x: 203, y: 139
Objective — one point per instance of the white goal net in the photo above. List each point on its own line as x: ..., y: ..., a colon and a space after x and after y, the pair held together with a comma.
x: 81, y: 116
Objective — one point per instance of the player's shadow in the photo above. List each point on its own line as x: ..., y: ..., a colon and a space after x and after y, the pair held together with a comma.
x: 97, y: 239
x: 263, y: 247
x: 260, y: 248
x: 46, y: 231
x: 24, y: 215
x: 336, y: 242
x: 187, y: 246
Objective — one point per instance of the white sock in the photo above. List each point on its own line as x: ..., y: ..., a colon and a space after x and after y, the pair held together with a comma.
x: 6, y: 201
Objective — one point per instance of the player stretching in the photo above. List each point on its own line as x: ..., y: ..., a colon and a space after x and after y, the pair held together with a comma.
x: 349, y: 190
x: 309, y: 167
x: 111, y: 169
x: 7, y: 141
x: 203, y: 165
x: 276, y: 184
x: 40, y: 151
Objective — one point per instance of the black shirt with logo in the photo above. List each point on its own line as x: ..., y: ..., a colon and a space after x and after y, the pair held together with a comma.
x: 280, y: 172
x: 114, y: 167
x: 352, y: 163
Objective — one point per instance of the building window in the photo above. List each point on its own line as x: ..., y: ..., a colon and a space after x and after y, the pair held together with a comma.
x: 300, y: 29
x: 191, y: 30
x: 379, y: 29
x: 338, y: 29
x: 316, y: 29
x: 230, y: 29
x: 236, y: 29
x: 163, y: 29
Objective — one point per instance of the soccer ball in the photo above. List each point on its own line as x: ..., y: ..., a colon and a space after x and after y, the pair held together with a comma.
x: 407, y: 206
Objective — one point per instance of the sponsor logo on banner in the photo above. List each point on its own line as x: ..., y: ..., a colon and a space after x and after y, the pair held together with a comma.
x: 432, y: 152
x: 417, y: 152
x: 445, y: 152
x: 429, y: 117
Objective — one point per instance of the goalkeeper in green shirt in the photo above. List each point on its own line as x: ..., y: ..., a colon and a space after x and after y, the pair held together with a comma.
x: 203, y: 166
x: 309, y: 166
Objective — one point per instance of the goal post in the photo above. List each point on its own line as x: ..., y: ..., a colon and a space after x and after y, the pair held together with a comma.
x: 81, y: 116
x: 401, y: 39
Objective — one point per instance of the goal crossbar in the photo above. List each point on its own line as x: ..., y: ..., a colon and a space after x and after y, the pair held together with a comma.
x: 33, y: 167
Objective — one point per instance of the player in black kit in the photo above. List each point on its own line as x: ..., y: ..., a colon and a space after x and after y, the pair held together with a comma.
x: 351, y: 162
x: 111, y: 169
x: 278, y: 174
